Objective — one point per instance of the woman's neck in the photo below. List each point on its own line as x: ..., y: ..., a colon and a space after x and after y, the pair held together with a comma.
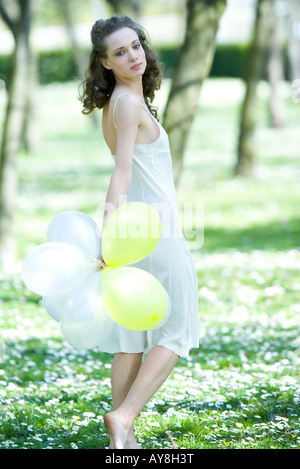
x: 134, y: 87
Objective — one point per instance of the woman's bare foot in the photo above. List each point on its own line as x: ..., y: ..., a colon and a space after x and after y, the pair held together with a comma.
x: 117, y: 430
x: 131, y: 442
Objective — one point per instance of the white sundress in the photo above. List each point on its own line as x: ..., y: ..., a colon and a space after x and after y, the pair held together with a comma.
x: 170, y: 262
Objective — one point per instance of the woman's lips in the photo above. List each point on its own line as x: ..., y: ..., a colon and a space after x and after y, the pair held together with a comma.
x: 136, y: 66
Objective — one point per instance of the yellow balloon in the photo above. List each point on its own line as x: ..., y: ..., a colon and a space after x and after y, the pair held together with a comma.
x: 130, y: 234
x: 134, y: 298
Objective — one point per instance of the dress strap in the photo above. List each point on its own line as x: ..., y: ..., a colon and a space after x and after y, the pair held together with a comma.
x: 114, y: 109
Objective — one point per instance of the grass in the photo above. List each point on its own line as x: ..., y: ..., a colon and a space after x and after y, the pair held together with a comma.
x: 240, y: 388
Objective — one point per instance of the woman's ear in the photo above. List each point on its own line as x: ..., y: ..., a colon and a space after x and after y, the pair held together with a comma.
x: 106, y: 64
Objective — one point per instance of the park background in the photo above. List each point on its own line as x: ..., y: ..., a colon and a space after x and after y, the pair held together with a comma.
x: 240, y: 388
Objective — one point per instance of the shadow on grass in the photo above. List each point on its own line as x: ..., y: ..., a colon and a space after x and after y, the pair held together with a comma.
x: 274, y: 236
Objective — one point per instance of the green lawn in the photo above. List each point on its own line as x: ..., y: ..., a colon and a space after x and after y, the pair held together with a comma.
x: 240, y: 389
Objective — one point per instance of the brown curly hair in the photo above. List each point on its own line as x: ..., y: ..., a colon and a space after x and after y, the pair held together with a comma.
x: 100, y: 82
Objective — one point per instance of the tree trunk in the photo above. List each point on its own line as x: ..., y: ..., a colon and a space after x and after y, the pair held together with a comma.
x: 194, y: 64
x: 276, y: 73
x: 30, y: 134
x: 259, y: 49
x: 294, y: 39
x: 12, y: 132
x: 78, y: 56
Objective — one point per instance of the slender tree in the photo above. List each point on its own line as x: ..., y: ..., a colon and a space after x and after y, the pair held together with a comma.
x: 79, y: 57
x: 275, y: 71
x: 257, y: 56
x: 294, y: 39
x: 194, y: 64
x: 13, y: 125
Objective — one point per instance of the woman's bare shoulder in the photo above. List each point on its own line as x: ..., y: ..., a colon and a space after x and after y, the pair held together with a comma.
x: 126, y: 105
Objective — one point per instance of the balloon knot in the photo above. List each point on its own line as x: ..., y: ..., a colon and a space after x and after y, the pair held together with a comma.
x: 100, y: 265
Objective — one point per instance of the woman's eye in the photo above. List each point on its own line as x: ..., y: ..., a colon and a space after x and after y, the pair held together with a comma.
x: 122, y: 52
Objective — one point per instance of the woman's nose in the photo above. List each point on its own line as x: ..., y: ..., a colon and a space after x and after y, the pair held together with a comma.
x: 132, y: 55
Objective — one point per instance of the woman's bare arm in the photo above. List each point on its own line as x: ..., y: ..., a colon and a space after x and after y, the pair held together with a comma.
x: 127, y: 117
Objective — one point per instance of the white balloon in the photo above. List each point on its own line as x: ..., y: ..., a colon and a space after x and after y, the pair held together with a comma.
x: 76, y: 228
x: 54, y: 268
x: 55, y: 305
x: 85, y: 322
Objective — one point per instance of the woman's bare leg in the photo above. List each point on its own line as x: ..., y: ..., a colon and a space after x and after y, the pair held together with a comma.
x: 125, y: 367
x: 152, y: 373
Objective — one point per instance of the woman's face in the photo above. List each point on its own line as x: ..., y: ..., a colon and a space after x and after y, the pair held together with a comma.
x: 125, y: 55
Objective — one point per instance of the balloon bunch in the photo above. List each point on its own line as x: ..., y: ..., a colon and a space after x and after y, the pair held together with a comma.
x: 88, y: 296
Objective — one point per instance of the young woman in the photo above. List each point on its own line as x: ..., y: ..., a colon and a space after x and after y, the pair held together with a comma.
x: 122, y: 77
